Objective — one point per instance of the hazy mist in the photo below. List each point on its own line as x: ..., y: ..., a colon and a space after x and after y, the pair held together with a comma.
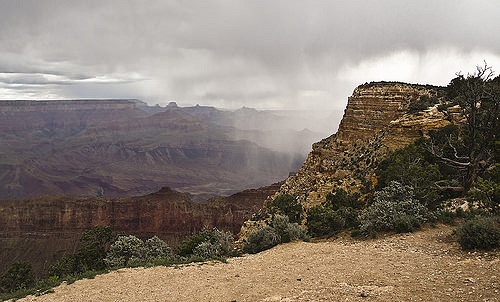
x: 263, y: 54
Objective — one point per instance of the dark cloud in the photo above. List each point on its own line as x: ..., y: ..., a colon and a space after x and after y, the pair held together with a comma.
x: 256, y: 53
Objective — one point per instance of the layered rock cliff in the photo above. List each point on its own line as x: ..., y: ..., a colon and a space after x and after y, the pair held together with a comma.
x: 115, y: 149
x: 41, y: 230
x: 376, y: 121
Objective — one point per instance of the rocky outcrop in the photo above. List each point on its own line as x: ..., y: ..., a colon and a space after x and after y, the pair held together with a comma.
x: 375, y: 122
x: 41, y: 230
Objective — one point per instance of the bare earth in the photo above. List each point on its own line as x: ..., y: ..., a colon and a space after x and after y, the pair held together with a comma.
x: 423, y: 266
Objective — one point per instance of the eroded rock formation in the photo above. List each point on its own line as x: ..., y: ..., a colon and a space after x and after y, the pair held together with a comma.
x: 41, y: 230
x: 375, y: 122
x: 115, y: 149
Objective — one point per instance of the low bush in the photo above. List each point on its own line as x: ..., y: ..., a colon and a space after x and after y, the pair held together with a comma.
x: 157, y: 248
x: 287, y: 205
x: 480, y: 233
x: 338, y: 211
x: 393, y: 204
x: 486, y: 195
x: 280, y: 231
x: 323, y: 221
x: 18, y: 276
x: 288, y: 231
x: 406, y: 224
x: 187, y: 246
x: 263, y: 239
x: 125, y: 250
x: 90, y: 256
x: 218, y: 245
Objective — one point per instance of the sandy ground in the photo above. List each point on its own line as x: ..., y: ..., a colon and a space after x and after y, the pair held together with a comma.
x: 423, y: 266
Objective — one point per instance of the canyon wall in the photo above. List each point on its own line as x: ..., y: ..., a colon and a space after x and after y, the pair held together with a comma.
x: 24, y: 115
x: 113, y: 148
x: 42, y: 230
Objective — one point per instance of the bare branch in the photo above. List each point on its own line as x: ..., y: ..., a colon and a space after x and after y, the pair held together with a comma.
x: 447, y: 187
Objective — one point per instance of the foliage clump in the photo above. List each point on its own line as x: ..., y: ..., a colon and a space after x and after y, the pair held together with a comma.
x: 260, y: 240
x: 422, y: 103
x: 90, y: 256
x: 207, y: 244
x: 129, y: 250
x: 486, y: 194
x: 480, y: 233
x: 338, y: 211
x: 219, y: 244
x: 125, y: 250
x: 281, y: 230
x: 18, y: 276
x: 156, y: 248
x: 395, y: 205
x: 287, y: 205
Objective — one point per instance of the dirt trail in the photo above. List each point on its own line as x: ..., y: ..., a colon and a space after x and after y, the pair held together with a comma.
x: 423, y: 266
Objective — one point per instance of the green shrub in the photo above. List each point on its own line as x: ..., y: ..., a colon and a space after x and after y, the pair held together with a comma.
x: 323, y: 221
x: 67, y: 265
x: 480, y: 233
x: 288, y: 231
x: 393, y: 203
x: 90, y: 256
x: 339, y: 198
x: 220, y: 244
x: 422, y: 103
x: 18, y: 276
x: 406, y: 224
x: 280, y: 231
x: 355, y: 233
x: 207, y: 244
x: 349, y: 216
x: 486, y: 194
x: 125, y: 250
x: 187, y: 246
x: 339, y: 211
x: 287, y: 205
x: 410, y: 166
x: 157, y: 248
x: 263, y: 239
x: 294, y: 231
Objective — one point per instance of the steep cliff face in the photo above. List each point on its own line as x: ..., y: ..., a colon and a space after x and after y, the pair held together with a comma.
x: 375, y: 122
x: 41, y: 230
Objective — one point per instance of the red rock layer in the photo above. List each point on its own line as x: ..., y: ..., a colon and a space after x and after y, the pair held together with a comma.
x: 41, y: 230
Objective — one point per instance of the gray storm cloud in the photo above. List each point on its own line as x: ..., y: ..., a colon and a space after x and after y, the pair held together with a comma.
x: 265, y: 54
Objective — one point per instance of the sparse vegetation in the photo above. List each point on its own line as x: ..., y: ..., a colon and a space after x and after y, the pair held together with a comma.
x: 422, y: 103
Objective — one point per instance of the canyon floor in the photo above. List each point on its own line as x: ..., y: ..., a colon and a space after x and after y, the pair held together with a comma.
x: 422, y: 266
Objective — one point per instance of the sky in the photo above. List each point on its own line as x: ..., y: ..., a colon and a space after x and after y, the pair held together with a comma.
x: 263, y: 54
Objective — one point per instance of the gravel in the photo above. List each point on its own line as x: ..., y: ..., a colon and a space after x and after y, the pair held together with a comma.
x: 422, y: 266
